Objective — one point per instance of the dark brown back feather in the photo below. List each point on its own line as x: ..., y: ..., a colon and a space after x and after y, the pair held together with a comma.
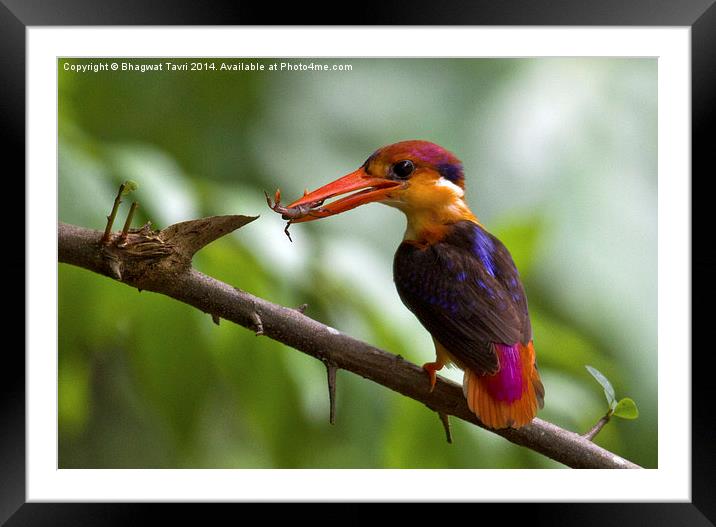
x: 467, y: 293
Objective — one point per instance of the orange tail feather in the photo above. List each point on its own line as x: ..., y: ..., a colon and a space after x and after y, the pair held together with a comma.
x: 496, y: 413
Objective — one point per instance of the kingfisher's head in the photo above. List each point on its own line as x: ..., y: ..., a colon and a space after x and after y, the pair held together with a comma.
x: 420, y: 178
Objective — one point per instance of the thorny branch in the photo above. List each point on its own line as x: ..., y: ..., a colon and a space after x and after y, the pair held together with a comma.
x: 160, y: 261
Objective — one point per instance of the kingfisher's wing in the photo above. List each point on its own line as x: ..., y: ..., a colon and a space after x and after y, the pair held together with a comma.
x: 467, y: 293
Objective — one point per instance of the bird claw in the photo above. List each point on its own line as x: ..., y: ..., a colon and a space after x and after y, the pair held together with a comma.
x: 431, y: 368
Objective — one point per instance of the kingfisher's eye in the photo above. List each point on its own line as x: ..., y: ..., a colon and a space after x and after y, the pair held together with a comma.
x: 403, y: 169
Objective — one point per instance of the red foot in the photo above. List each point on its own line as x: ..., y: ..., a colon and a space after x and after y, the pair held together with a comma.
x: 431, y: 368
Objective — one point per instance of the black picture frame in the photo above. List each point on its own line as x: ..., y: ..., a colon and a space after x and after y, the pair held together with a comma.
x: 699, y: 15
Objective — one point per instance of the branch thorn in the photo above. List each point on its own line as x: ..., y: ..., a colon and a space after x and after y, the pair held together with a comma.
x: 116, y: 268
x: 445, y: 420
x: 258, y: 324
x: 331, y: 370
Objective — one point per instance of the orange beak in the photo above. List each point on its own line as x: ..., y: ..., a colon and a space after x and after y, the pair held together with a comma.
x: 365, y: 189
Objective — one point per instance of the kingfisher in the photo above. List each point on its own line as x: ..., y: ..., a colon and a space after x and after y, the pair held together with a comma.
x: 458, y: 279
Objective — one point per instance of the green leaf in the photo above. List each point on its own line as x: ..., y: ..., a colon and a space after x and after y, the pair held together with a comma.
x: 626, y: 409
x: 129, y: 186
x: 608, y: 388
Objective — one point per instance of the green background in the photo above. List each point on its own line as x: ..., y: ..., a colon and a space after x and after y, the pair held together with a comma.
x: 561, y: 164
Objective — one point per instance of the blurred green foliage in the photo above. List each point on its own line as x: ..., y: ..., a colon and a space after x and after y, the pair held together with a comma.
x: 560, y: 157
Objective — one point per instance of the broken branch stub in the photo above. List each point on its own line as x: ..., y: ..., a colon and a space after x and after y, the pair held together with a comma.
x: 188, y: 237
x: 133, y: 256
